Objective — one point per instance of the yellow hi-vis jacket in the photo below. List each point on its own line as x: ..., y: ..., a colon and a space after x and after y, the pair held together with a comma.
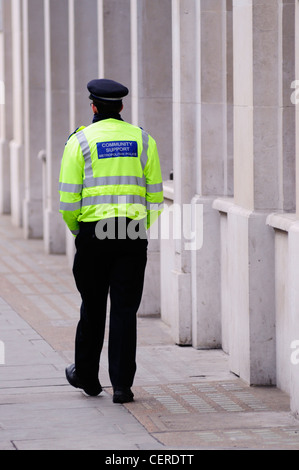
x: 110, y: 169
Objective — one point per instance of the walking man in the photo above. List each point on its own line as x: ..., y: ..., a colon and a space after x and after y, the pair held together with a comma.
x: 110, y: 194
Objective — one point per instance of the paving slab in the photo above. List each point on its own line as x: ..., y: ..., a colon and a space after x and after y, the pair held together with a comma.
x: 185, y: 399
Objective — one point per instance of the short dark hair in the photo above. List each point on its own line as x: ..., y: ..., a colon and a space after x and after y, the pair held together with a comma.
x: 107, y: 107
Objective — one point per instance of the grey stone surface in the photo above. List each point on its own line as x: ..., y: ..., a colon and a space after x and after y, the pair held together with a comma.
x: 184, y: 398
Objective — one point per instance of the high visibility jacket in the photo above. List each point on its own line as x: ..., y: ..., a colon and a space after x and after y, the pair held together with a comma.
x: 110, y: 169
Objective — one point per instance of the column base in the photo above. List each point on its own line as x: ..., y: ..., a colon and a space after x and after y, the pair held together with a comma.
x: 250, y: 299
x: 54, y: 233
x: 151, y: 302
x: 294, y: 319
x: 16, y: 183
x: 181, y: 292
x: 33, y: 219
x: 5, y: 205
x: 175, y: 282
x: 206, y: 292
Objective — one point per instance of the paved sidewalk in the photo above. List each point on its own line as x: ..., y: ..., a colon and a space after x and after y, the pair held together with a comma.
x: 184, y: 398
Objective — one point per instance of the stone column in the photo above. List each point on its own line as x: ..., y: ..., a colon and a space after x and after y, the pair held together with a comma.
x: 83, y: 67
x: 2, y: 110
x: 155, y: 76
x: 184, y: 86
x: 150, y: 69
x: 293, y: 248
x: 57, y: 116
x: 134, y: 92
x: 85, y: 59
x: 287, y: 111
x: 263, y: 122
x: 117, y: 46
x: 151, y: 106
x: 263, y: 111
x: 101, y: 38
x: 214, y: 162
x: 295, y: 100
x: 16, y: 144
x: 34, y: 115
x: 292, y: 315
x: 6, y: 109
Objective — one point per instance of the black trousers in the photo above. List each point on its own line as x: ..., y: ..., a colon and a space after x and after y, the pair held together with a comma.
x: 103, y: 267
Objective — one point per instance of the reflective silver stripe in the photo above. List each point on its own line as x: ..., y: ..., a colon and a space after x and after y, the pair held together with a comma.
x: 110, y: 199
x: 113, y: 199
x: 70, y: 188
x: 151, y: 206
x: 70, y: 206
x: 86, y: 153
x: 90, y: 181
x: 75, y: 232
x: 112, y: 180
x: 104, y: 98
x: 154, y: 188
x: 144, y: 156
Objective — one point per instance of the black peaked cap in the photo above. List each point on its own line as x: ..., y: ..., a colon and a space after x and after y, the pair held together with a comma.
x: 107, y: 90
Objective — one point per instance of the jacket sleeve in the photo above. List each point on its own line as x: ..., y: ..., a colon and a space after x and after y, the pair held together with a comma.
x: 154, y: 183
x: 71, y: 183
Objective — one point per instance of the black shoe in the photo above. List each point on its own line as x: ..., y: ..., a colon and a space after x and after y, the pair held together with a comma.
x: 122, y: 395
x: 92, y: 389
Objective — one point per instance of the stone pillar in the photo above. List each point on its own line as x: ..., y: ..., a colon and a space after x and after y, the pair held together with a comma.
x: 155, y: 76
x: 295, y: 100
x: 117, y: 46
x: 6, y: 109
x: 184, y: 86
x: 101, y: 38
x: 150, y: 70
x: 214, y: 162
x: 292, y: 315
x: 151, y: 104
x: 34, y: 115
x: 294, y: 247
x: 85, y: 59
x: 134, y: 92
x: 263, y: 111
x: 83, y: 67
x: 263, y: 123
x: 287, y: 111
x: 16, y: 144
x: 57, y: 116
x: 2, y: 109
x: 284, y: 223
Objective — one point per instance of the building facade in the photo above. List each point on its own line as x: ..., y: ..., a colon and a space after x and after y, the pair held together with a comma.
x: 216, y: 83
